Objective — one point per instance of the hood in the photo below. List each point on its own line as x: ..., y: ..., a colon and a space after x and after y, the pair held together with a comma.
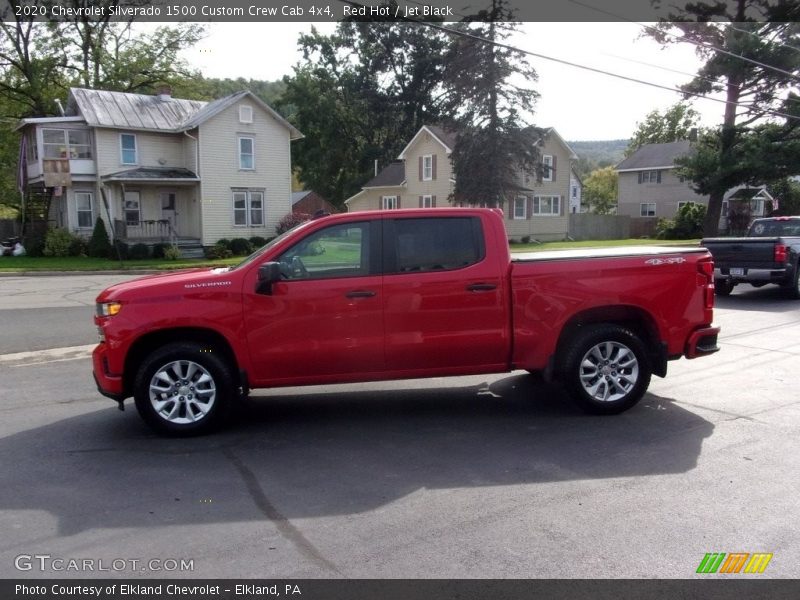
x: 180, y: 282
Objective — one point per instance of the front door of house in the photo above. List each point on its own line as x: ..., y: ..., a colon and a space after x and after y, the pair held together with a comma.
x: 169, y: 210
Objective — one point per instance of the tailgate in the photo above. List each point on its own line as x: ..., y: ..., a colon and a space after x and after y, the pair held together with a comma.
x: 742, y: 252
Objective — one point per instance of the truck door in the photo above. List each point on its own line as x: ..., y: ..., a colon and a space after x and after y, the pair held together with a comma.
x: 444, y: 301
x: 324, y: 321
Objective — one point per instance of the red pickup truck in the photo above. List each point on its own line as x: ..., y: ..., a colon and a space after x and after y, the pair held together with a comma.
x: 395, y: 295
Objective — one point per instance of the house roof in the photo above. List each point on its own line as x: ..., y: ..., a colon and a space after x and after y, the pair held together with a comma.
x: 655, y: 156
x: 393, y: 174
x: 120, y: 110
x: 297, y: 196
x: 144, y: 174
x: 446, y: 137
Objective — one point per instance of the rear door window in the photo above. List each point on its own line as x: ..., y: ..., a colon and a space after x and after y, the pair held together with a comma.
x: 433, y: 244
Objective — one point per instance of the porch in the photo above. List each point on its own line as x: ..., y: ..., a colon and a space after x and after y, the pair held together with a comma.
x: 161, y: 231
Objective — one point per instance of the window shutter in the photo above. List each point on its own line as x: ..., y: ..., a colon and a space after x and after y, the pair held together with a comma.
x: 420, y: 168
x: 433, y: 167
x: 398, y: 201
x: 420, y: 201
x: 433, y: 201
x: 553, y: 169
x: 658, y: 176
x: 640, y: 176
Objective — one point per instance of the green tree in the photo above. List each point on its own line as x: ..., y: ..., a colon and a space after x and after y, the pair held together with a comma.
x: 358, y: 96
x: 99, y: 244
x: 754, y: 64
x: 490, y: 94
x: 676, y: 123
x: 600, y: 190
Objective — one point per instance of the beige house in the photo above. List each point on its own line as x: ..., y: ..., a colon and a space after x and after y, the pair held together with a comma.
x: 158, y: 168
x: 422, y: 177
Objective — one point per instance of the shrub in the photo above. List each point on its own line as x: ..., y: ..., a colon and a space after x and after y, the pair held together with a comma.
x: 159, y: 250
x: 687, y: 224
x: 139, y: 252
x: 289, y: 221
x: 240, y: 247
x: 78, y: 246
x: 257, y: 241
x: 218, y: 251
x: 99, y: 244
x: 526, y: 239
x: 58, y: 242
x: 34, y: 246
x: 224, y: 242
x: 171, y: 252
x: 119, y: 251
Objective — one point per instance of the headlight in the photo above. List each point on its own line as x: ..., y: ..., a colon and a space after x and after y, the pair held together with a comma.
x: 108, y: 309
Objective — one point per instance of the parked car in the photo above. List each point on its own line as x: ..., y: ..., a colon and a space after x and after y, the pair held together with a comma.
x: 401, y: 294
x: 769, y: 253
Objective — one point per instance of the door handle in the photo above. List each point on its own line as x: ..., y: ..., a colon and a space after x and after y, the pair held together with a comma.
x: 359, y: 294
x: 481, y: 287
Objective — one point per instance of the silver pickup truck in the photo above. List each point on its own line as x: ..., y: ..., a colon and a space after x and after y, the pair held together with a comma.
x: 769, y: 253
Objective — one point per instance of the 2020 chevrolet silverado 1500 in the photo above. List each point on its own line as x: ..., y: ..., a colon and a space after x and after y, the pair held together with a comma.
x: 770, y: 253
x: 401, y: 294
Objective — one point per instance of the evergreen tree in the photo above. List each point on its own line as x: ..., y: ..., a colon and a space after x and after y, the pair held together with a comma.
x: 99, y: 244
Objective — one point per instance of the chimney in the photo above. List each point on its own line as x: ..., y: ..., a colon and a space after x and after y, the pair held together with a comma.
x: 164, y: 93
x: 376, y: 167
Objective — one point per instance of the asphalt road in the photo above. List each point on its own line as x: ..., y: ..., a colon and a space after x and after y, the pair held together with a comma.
x: 474, y: 477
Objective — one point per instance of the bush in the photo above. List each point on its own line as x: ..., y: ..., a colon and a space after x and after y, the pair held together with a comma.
x: 218, y: 251
x: 291, y: 220
x: 119, y: 251
x: 526, y: 239
x: 99, y: 244
x: 78, y: 246
x: 34, y: 246
x: 139, y: 252
x: 159, y: 250
x: 240, y: 247
x: 224, y: 242
x: 687, y: 224
x: 58, y: 242
x: 171, y: 252
x: 257, y: 241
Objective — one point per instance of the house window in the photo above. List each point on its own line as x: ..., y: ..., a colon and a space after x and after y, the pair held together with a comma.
x: 66, y: 143
x: 246, y: 154
x: 127, y: 142
x: 547, y: 206
x: 132, y: 206
x: 520, y: 207
x: 650, y: 176
x: 427, y: 167
x: 84, y: 204
x: 389, y: 202
x: 547, y: 162
x: 248, y: 208
x: 647, y: 209
x: 245, y: 114
x: 574, y: 191
x: 683, y: 203
x: 427, y: 202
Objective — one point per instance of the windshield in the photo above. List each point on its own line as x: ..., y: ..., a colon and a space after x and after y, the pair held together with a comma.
x: 271, y: 244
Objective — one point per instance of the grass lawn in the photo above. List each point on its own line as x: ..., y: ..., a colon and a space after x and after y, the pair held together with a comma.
x: 346, y: 252
x: 10, y: 264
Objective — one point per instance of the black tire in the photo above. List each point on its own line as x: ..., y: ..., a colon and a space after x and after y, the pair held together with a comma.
x: 793, y: 288
x: 606, y: 369
x: 190, y: 381
x: 723, y: 287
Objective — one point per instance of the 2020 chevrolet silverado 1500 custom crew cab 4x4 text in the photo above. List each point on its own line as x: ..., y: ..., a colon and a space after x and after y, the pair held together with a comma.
x: 401, y: 294
x: 770, y: 253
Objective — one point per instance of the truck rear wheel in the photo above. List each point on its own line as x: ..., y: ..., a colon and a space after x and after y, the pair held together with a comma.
x: 793, y: 288
x: 723, y: 287
x: 184, y: 389
x: 606, y: 369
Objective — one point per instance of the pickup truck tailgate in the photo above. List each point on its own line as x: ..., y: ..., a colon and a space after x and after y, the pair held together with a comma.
x: 742, y: 252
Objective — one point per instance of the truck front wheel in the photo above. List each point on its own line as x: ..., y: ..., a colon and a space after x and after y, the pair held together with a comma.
x: 606, y: 369
x: 184, y: 389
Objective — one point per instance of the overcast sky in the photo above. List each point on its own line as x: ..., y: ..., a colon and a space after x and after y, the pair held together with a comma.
x: 580, y: 104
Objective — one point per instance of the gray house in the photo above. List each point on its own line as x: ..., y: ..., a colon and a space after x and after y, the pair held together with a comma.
x: 158, y: 168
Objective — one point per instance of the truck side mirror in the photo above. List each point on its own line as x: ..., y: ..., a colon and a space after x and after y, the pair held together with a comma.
x: 268, y: 274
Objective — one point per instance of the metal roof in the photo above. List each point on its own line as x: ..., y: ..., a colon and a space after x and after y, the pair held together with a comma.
x: 145, y: 174
x: 391, y: 175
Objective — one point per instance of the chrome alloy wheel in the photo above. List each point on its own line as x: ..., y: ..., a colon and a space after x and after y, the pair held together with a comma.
x: 609, y: 371
x: 182, y: 392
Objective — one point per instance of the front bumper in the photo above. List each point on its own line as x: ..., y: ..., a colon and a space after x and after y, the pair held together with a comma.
x: 108, y: 384
x: 702, y: 342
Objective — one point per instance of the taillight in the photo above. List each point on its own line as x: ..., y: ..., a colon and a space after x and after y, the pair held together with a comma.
x: 780, y: 253
x: 705, y: 277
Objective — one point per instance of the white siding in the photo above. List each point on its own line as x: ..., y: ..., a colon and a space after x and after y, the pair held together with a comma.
x: 220, y: 173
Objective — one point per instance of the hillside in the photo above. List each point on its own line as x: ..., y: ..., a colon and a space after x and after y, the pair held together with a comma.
x: 598, y: 153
